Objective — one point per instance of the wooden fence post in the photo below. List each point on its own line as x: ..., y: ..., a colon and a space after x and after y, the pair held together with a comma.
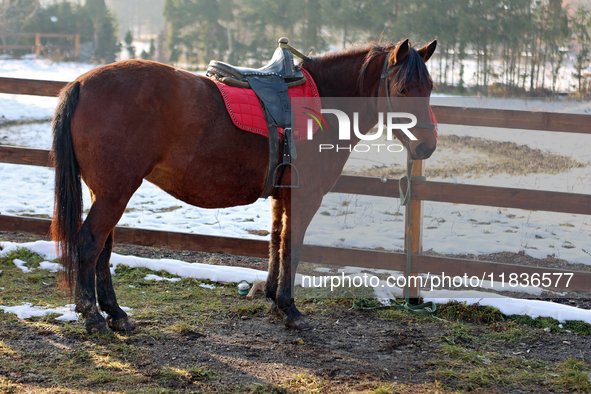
x: 38, y: 44
x: 77, y: 45
x: 416, y: 229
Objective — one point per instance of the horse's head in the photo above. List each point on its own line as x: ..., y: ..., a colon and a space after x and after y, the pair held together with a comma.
x: 409, y: 88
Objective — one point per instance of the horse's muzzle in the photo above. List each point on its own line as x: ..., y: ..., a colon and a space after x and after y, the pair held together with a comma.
x: 422, y: 151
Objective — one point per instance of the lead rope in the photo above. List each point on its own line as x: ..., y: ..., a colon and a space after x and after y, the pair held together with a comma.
x: 427, y: 308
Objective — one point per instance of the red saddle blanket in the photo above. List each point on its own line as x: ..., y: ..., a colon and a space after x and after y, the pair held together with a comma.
x: 244, y: 107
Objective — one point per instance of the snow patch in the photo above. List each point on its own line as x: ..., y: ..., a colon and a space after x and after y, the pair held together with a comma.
x: 22, y: 265
x: 160, y: 278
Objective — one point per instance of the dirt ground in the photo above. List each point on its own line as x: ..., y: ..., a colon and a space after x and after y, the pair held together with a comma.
x: 477, y: 157
x: 239, y: 346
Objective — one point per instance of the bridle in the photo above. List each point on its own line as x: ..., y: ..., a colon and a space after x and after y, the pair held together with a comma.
x: 405, y: 198
x: 384, y: 79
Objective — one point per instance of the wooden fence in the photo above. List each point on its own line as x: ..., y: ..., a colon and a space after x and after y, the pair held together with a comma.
x: 38, y: 47
x: 573, y: 203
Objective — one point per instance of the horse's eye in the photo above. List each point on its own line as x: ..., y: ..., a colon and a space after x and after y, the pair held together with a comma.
x: 403, y: 92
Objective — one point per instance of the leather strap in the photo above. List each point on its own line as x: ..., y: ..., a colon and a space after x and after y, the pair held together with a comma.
x: 384, y: 79
x: 273, y: 94
x: 273, y: 160
x: 294, y: 51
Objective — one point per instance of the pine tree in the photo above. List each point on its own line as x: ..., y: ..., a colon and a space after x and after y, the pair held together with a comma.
x: 128, y: 44
x: 581, y: 24
x: 106, y: 46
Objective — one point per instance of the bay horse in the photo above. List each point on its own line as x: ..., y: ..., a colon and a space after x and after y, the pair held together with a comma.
x: 132, y: 120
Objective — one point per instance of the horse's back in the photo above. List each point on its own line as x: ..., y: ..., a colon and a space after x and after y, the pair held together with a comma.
x: 142, y: 119
x: 124, y: 98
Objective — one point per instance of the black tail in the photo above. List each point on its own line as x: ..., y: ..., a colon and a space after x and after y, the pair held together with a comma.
x: 67, y: 211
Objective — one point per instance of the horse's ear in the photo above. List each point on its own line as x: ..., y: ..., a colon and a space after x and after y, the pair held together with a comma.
x: 399, y: 53
x: 427, y: 51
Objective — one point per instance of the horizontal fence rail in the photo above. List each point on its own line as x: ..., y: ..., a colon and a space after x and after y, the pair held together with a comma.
x: 45, y: 35
x: 535, y: 200
x: 375, y: 259
x: 422, y: 190
x: 510, y: 119
x: 26, y: 156
x: 31, y: 87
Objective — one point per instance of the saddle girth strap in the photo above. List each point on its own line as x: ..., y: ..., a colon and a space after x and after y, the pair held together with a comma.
x: 273, y: 160
x: 274, y: 96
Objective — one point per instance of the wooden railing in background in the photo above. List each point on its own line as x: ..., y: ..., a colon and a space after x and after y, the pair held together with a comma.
x: 38, y: 47
x: 421, y: 191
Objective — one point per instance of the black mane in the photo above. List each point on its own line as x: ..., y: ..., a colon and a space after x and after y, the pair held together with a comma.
x: 412, y: 66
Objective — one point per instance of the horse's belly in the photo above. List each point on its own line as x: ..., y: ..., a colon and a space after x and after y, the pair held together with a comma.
x: 209, y: 188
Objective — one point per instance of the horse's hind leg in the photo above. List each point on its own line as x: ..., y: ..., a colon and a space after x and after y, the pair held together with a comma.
x: 117, y: 320
x: 85, y: 288
x: 93, y: 234
x: 274, y: 249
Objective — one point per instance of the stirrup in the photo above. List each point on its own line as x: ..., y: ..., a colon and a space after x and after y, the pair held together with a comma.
x: 297, y: 185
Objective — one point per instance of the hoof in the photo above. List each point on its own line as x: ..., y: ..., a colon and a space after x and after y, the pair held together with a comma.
x: 123, y: 324
x: 297, y: 324
x: 275, y: 309
x: 97, y: 328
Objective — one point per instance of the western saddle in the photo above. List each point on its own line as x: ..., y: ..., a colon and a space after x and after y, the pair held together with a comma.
x: 270, y: 83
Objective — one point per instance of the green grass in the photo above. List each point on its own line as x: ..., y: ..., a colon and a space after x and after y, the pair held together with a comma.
x: 577, y: 327
x: 38, y: 287
x: 507, y: 332
x: 486, y: 369
x: 572, y: 375
x: 459, y: 333
x: 466, y: 353
x: 469, y: 313
x: 201, y: 373
x: 475, y: 313
x: 32, y: 258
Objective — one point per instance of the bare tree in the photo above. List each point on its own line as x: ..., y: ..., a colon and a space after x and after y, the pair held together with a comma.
x: 14, y: 15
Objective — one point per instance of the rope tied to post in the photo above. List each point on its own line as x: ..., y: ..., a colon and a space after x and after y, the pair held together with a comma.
x: 427, y: 308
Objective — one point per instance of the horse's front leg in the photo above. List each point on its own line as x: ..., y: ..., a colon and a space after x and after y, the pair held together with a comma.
x: 274, y: 250
x: 296, y: 219
x: 291, y: 252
